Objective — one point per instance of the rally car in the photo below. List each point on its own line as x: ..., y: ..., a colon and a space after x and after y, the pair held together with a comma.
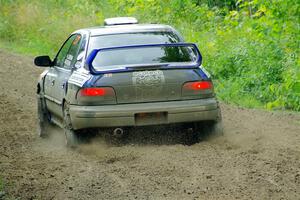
x: 125, y: 74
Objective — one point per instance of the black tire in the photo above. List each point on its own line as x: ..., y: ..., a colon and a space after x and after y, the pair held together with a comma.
x: 217, y: 128
x: 72, y: 136
x: 43, y: 123
x: 214, y: 128
x: 207, y: 129
x: 189, y: 136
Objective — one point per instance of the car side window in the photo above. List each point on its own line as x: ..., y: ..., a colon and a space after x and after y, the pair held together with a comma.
x: 61, y: 57
x: 79, y: 53
x: 73, y: 51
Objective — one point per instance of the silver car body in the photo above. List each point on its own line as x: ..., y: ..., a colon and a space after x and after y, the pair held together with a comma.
x: 161, y: 103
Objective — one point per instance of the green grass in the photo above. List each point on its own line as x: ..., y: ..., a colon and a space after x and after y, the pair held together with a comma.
x: 251, y: 47
x: 2, y: 192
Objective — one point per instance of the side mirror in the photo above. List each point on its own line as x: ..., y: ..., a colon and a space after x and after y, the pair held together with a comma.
x: 43, y: 61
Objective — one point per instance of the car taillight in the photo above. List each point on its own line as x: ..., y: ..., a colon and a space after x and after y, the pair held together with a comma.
x: 198, y: 85
x: 197, y: 89
x: 97, y: 92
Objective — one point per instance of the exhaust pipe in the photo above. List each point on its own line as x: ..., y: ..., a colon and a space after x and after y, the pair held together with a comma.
x: 118, y: 132
x: 190, y: 130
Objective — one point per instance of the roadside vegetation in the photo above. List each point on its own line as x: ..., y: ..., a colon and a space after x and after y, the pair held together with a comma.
x: 2, y: 192
x: 251, y: 47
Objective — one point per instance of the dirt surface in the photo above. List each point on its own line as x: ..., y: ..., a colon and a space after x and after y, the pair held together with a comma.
x: 257, y: 158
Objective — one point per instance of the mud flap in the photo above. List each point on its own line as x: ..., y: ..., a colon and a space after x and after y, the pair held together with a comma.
x: 71, y: 136
x: 43, y: 120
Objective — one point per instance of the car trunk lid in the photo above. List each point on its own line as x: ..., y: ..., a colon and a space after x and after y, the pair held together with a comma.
x: 148, y: 85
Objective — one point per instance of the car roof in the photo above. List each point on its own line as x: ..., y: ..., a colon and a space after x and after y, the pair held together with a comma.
x: 131, y: 28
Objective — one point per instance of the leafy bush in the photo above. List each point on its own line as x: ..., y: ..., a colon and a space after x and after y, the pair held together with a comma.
x: 250, y: 46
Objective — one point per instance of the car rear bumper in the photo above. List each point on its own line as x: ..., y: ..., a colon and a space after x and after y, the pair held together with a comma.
x: 143, y: 113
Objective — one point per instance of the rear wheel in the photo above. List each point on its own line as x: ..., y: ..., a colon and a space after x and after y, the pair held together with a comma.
x: 207, y: 129
x: 72, y: 136
x: 189, y: 136
x: 213, y: 128
x: 43, y: 118
x: 217, y: 127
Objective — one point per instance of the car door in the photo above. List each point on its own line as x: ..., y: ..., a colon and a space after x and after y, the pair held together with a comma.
x: 54, y: 80
x: 64, y: 72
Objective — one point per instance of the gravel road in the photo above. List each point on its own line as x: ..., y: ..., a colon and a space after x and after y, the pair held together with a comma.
x: 257, y: 158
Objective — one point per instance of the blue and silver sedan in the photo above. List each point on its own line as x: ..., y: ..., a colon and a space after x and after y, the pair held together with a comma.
x: 122, y: 75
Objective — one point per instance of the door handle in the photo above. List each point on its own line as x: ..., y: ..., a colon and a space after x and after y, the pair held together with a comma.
x: 52, y: 82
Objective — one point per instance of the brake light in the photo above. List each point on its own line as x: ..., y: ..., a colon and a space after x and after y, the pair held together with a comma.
x: 198, y: 85
x: 97, y: 92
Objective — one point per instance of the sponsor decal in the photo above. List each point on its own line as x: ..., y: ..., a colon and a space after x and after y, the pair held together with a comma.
x: 77, y: 39
x: 148, y: 83
x: 78, y: 78
x: 67, y: 63
x: 148, y: 78
x: 70, y: 57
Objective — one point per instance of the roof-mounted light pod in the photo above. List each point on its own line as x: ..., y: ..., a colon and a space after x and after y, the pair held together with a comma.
x: 120, y: 21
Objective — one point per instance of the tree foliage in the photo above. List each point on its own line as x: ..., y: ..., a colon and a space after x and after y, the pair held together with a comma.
x: 251, y: 47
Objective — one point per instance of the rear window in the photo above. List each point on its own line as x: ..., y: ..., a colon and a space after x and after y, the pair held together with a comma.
x: 124, y: 39
x: 120, y: 58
